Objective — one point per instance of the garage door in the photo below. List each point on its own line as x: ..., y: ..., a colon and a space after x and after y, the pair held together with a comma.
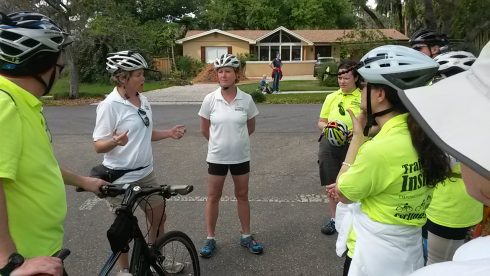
x: 213, y: 52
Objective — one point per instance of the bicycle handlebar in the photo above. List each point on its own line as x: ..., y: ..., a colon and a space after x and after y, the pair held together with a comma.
x: 132, y: 193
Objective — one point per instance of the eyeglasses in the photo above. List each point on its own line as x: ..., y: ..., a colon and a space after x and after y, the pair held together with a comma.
x: 419, y: 47
x: 143, y: 117
x: 341, y: 108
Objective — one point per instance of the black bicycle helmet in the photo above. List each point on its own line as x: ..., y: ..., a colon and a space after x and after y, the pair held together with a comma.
x: 428, y: 37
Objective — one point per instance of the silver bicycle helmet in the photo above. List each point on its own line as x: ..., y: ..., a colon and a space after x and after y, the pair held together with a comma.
x: 24, y: 35
x: 398, y: 67
x: 126, y: 61
x: 226, y: 60
x: 454, y: 62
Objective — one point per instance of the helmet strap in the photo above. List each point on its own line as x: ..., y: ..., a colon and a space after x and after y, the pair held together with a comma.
x: 370, y: 117
x: 49, y: 85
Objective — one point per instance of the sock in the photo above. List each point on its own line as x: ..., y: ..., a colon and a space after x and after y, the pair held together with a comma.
x: 210, y: 238
x: 246, y: 236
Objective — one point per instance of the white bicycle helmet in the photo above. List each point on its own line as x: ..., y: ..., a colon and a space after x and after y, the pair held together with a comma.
x: 336, y: 133
x: 226, y: 60
x: 398, y: 67
x: 24, y: 35
x: 126, y: 61
x: 454, y: 62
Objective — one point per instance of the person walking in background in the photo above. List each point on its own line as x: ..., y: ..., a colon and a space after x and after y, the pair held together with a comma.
x: 32, y: 185
x: 123, y: 133
x: 335, y: 124
x: 392, y: 174
x: 227, y: 118
x: 276, y: 65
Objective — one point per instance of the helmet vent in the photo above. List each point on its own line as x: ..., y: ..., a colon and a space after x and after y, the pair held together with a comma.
x: 9, y: 35
x: 11, y: 51
x: 30, y: 43
x: 57, y: 40
x: 384, y: 65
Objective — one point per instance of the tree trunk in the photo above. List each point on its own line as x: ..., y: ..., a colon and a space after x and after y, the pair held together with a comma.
x: 70, y: 60
x: 430, y: 20
x: 399, y: 9
x: 373, y: 16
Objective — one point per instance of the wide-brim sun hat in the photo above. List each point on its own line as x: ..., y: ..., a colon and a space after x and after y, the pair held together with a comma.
x: 455, y: 113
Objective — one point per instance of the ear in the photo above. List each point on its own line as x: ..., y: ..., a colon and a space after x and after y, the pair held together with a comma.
x: 435, y: 50
x: 379, y: 95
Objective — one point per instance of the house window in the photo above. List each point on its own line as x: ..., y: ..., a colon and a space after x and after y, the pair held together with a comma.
x: 214, y: 52
x: 264, y: 53
x: 282, y: 43
x: 295, y: 52
x: 323, y: 51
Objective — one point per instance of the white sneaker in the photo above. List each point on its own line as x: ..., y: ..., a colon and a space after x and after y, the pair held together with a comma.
x: 173, y: 267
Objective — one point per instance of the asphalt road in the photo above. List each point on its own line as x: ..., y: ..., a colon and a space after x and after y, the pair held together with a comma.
x: 286, y: 199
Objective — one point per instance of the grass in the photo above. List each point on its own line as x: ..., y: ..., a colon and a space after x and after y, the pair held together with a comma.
x: 291, y: 85
x: 300, y: 98
x: 96, y: 90
x: 89, y: 91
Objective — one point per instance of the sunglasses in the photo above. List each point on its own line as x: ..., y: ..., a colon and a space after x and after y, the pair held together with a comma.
x: 341, y: 108
x: 143, y: 117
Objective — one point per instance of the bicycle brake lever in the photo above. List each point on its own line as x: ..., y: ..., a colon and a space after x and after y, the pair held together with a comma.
x: 62, y: 253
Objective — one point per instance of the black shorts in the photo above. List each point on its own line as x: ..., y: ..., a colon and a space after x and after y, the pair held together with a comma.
x: 235, y: 169
x: 330, y: 160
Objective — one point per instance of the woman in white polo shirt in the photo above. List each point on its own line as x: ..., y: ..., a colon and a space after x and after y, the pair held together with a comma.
x: 124, y: 132
x: 392, y: 174
x: 227, y: 120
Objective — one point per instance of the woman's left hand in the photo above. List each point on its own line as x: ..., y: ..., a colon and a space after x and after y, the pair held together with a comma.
x: 178, y: 131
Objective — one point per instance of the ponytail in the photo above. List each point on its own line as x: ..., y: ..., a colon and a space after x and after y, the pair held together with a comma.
x: 435, y: 162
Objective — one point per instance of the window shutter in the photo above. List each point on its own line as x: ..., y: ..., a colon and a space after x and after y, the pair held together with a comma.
x: 203, y: 54
x: 229, y: 50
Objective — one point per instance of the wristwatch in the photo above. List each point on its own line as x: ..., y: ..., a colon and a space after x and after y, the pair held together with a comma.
x: 15, y: 260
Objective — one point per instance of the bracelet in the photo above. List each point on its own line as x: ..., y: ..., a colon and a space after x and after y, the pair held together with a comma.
x: 347, y: 164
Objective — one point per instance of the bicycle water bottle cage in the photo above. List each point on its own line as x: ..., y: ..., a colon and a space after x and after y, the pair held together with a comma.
x: 121, y: 231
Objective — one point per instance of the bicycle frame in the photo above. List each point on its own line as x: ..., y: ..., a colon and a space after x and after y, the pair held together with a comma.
x: 142, y: 256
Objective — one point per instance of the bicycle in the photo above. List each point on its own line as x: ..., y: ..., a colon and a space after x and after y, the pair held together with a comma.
x: 172, y: 253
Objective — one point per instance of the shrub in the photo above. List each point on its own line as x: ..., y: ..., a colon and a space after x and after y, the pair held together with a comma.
x: 326, y: 79
x: 258, y: 97
x: 188, y: 67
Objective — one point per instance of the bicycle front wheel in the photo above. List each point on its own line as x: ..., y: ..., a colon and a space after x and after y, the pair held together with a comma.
x: 177, y: 254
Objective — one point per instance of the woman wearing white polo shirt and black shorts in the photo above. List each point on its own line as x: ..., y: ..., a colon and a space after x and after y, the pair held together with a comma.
x: 227, y: 120
x: 124, y: 132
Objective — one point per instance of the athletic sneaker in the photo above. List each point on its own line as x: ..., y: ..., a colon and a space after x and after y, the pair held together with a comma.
x: 252, y: 245
x: 329, y: 227
x: 208, y: 249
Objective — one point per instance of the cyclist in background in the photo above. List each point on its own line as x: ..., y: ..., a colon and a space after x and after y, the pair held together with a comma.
x: 452, y: 211
x: 398, y: 167
x: 429, y: 42
x: 334, y: 124
x: 32, y: 192
x: 227, y: 120
x: 124, y: 132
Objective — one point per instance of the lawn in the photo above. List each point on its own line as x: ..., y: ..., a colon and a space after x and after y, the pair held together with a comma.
x: 291, y: 85
x: 96, y: 90
x: 299, y: 98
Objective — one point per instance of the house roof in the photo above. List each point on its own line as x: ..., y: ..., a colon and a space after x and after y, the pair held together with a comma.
x: 308, y: 36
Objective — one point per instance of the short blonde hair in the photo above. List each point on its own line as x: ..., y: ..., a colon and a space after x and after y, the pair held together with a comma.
x: 120, y: 75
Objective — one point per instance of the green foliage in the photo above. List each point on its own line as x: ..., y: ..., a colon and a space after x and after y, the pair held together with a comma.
x: 188, y: 67
x: 354, y: 44
x: 258, y: 97
x: 326, y: 79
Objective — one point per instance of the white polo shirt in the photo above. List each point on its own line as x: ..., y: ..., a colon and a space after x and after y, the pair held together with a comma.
x: 229, y: 141
x: 117, y: 114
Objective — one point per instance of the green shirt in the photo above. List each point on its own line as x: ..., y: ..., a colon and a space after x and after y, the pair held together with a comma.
x: 336, y: 104
x: 386, y: 177
x: 32, y: 181
x: 452, y: 206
